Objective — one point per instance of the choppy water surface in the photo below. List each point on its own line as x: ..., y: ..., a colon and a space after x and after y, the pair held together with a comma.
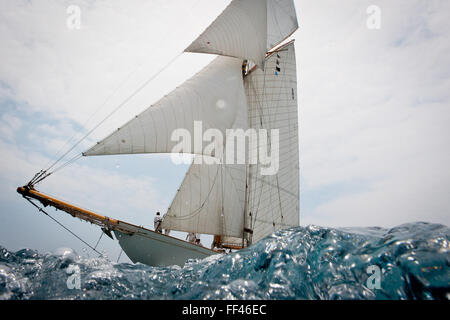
x: 407, y: 262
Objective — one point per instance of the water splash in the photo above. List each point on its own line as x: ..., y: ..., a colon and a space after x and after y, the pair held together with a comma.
x: 300, y: 263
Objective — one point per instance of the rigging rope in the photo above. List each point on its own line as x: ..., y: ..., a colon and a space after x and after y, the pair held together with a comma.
x: 120, y: 254
x: 43, y: 174
x: 97, y: 110
x: 46, y: 213
x: 101, y: 235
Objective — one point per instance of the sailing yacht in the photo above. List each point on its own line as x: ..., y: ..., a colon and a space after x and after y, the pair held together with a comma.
x: 251, y: 84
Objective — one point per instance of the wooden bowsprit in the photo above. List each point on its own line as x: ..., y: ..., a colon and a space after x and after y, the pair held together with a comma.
x: 107, y: 224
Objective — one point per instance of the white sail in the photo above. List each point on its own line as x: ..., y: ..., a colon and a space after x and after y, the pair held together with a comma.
x: 214, y: 96
x: 248, y: 29
x: 240, y: 31
x: 272, y: 101
x: 281, y: 21
x: 209, y: 201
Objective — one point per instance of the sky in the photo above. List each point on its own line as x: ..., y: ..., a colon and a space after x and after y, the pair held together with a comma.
x: 374, y: 108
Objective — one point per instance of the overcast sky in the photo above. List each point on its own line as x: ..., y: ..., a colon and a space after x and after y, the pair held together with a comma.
x: 374, y: 108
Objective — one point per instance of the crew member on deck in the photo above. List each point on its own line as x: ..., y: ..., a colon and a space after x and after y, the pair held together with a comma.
x: 216, y: 245
x: 191, y: 237
x: 157, y: 222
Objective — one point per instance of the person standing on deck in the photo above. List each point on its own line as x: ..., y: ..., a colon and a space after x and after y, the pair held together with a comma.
x: 157, y: 222
x: 191, y: 237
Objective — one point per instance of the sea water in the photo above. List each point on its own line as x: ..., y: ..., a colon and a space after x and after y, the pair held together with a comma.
x: 410, y: 261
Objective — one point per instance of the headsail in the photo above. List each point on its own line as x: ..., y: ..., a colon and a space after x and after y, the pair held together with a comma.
x: 248, y: 29
x: 214, y: 96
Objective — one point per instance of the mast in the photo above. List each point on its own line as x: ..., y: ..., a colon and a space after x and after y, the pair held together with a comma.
x: 244, y: 73
x: 248, y: 227
x: 245, y: 207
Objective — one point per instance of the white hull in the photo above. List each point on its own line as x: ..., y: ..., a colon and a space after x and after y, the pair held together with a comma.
x: 155, y: 249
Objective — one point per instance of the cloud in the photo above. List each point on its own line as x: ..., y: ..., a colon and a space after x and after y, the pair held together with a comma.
x: 9, y: 124
x: 72, y: 73
x: 374, y: 109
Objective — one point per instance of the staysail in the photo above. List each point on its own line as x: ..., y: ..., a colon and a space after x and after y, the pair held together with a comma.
x: 247, y: 29
x: 209, y: 201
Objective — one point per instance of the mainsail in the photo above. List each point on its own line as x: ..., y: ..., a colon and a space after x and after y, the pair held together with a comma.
x: 234, y: 201
x: 272, y: 104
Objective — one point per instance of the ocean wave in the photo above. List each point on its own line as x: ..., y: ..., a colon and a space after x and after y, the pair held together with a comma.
x: 410, y: 261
